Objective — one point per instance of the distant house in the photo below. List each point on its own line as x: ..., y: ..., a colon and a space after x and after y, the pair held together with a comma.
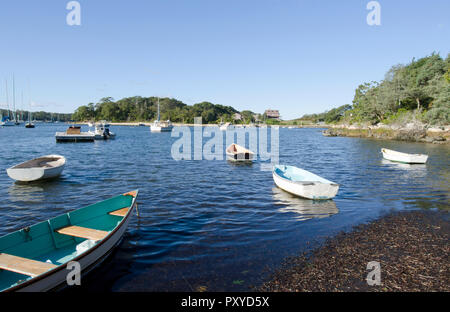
x: 272, y: 114
x: 237, y: 116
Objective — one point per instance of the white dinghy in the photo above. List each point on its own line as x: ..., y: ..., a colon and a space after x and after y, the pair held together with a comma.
x: 238, y: 153
x: 41, y: 168
x: 303, y: 183
x: 404, y: 157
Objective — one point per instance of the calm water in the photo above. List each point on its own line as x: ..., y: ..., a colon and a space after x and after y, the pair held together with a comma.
x: 212, y: 225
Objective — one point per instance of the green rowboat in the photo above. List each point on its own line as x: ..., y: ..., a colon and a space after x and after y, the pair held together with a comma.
x: 36, y: 258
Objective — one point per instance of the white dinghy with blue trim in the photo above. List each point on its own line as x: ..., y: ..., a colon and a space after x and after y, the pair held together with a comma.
x: 303, y: 183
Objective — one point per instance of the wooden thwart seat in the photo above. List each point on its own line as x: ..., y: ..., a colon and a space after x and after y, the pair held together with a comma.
x: 83, y: 232
x: 23, y: 265
x: 120, y: 212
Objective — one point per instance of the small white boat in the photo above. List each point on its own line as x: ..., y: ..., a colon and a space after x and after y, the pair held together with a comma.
x: 6, y: 122
x: 45, y: 167
x: 238, y: 153
x: 74, y: 134
x: 161, y: 126
x: 404, y: 157
x: 102, y: 131
x: 303, y: 183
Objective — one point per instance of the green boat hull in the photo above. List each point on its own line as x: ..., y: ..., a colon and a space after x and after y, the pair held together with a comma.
x: 42, y: 242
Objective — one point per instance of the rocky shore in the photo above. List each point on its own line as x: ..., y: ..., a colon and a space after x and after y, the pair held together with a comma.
x: 413, y: 132
x: 411, y: 247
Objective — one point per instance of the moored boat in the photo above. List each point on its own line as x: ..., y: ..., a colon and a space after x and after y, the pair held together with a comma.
x: 74, y: 134
x: 6, y: 122
x: 36, y: 258
x: 404, y: 157
x: 161, y: 126
x: 303, y: 183
x: 238, y: 153
x: 102, y: 131
x: 45, y: 167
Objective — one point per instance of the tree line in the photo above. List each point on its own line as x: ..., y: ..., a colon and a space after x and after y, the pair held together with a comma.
x: 420, y: 89
x: 137, y: 108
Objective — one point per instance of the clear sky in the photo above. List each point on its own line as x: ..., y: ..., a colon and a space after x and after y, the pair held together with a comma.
x: 298, y: 56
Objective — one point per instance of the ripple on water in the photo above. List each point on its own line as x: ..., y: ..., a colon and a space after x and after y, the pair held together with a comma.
x: 214, y: 224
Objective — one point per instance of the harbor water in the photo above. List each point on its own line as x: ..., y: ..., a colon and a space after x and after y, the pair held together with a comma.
x: 211, y: 225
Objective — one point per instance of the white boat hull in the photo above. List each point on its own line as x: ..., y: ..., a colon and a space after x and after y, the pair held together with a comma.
x: 36, y: 173
x: 404, y: 157
x: 7, y: 124
x: 309, y: 190
x: 160, y: 129
x: 57, y: 278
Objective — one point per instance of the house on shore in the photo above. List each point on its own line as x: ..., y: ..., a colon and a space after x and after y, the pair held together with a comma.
x: 272, y: 114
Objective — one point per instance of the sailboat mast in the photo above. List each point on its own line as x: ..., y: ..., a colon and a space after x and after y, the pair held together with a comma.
x: 7, y: 98
x: 158, y: 110
x: 21, y: 111
x: 14, y: 99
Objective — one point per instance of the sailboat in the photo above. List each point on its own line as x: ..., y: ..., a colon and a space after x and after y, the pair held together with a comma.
x: 29, y: 124
x: 161, y: 126
x: 6, y: 121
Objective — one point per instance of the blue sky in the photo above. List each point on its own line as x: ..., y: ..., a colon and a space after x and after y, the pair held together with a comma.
x: 292, y: 55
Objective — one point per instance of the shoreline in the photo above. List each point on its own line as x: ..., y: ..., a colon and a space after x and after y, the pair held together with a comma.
x: 411, y: 247
x: 147, y: 124
x: 409, y: 133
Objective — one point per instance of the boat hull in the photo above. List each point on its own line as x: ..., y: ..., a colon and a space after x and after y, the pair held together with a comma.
x: 34, y: 174
x: 160, y: 129
x: 111, y: 136
x: 7, y: 124
x: 238, y: 153
x: 89, y: 259
x: 88, y: 262
x: 404, y: 157
x: 307, y: 189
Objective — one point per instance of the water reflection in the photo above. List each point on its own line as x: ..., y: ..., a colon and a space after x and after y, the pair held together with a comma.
x: 31, y: 192
x: 405, y: 172
x: 416, y: 167
x: 304, y: 208
x: 26, y: 193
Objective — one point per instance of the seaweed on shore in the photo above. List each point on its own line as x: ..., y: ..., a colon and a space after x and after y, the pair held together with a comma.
x: 411, y: 247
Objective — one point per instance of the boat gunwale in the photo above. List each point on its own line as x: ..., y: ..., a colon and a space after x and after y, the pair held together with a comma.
x: 238, y: 152
x: 60, y: 158
x: 82, y: 255
x: 305, y: 183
